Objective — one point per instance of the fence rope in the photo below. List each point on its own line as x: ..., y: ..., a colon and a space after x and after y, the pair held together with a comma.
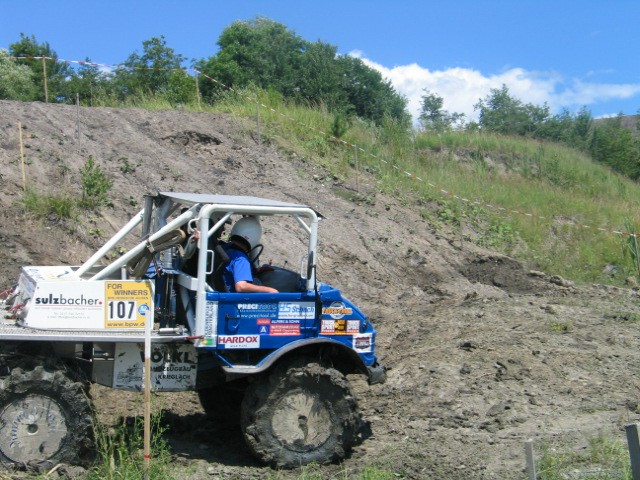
x: 195, y: 72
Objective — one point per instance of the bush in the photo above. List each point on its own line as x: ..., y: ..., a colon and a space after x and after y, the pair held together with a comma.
x: 95, y: 185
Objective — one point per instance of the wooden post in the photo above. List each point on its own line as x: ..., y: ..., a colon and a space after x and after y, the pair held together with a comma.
x: 634, y: 449
x: 148, y: 325
x: 258, y: 123
x: 637, y: 252
x: 198, y: 89
x: 531, y: 463
x: 24, y: 175
x: 78, y: 116
x: 355, y: 149
x: 44, y: 77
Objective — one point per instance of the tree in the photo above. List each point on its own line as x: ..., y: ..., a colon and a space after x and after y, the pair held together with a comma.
x: 88, y: 82
x: 369, y: 95
x: 151, y: 72
x: 16, y: 81
x: 433, y: 117
x: 614, y: 145
x: 502, y: 113
x: 57, y: 72
x: 259, y: 51
x: 319, y: 78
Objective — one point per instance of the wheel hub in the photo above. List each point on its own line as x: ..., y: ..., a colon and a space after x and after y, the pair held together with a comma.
x: 301, y: 422
x: 32, y: 428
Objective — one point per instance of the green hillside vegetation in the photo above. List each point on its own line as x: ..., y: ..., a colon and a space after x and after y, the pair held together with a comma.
x: 558, y: 172
x: 558, y: 190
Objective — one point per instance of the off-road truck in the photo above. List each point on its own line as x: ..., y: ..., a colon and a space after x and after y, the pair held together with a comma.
x: 281, y: 357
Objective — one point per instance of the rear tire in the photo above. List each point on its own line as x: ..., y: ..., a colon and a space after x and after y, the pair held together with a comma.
x: 45, y: 418
x: 299, y: 415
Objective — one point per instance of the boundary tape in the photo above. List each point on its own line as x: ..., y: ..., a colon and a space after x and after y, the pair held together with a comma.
x: 440, y: 190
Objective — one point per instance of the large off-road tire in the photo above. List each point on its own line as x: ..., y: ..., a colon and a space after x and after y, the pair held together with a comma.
x: 45, y: 418
x: 299, y: 415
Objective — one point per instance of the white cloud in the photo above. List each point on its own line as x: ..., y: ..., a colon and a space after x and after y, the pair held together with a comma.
x: 461, y: 88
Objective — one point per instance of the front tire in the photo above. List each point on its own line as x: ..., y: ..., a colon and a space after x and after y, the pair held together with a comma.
x: 45, y: 418
x: 299, y: 415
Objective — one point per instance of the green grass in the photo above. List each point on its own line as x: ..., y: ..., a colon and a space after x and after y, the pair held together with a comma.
x: 561, y: 197
x: 120, y: 451
x: 41, y: 205
x: 606, y: 458
x: 567, y: 206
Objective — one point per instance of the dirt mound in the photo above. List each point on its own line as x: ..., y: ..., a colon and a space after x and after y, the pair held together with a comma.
x: 483, y: 354
x: 502, y: 272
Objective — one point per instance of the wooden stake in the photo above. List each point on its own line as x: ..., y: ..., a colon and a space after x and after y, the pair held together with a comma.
x: 258, y: 123
x: 633, y: 443
x: 148, y: 325
x: 44, y: 77
x: 355, y: 149
x: 198, y: 89
x: 531, y: 464
x: 24, y: 175
x: 78, y: 116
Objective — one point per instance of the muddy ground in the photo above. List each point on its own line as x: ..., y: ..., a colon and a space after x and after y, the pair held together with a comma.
x: 483, y: 354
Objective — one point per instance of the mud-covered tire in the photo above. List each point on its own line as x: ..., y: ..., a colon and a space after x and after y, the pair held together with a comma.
x: 300, y: 415
x: 45, y: 418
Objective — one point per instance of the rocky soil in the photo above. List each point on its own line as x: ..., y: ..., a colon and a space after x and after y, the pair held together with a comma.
x: 483, y: 354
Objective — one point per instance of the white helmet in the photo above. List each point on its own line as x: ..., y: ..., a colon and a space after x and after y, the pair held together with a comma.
x: 248, y: 228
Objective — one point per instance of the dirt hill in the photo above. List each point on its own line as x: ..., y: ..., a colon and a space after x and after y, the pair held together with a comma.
x: 483, y: 354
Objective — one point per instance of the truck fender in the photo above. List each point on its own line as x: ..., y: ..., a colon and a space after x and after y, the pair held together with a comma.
x: 271, y: 359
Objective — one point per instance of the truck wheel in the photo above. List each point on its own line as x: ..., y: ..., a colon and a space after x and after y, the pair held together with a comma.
x: 45, y: 418
x: 299, y: 415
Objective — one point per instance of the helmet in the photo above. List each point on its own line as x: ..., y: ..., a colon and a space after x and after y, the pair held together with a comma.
x: 249, y: 229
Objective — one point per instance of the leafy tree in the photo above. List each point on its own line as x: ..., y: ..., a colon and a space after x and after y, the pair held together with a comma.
x: 502, y: 113
x: 259, y: 51
x: 566, y: 128
x: 57, y: 72
x: 88, y: 82
x: 151, y: 72
x: 265, y: 53
x: 614, y: 145
x: 433, y: 117
x: 319, y: 75
x: 369, y: 95
x: 16, y: 81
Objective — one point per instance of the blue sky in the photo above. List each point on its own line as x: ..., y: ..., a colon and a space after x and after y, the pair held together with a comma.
x: 568, y: 53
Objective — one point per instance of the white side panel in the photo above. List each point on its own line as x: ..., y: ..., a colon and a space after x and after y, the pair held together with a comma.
x: 90, y: 305
x: 173, y: 367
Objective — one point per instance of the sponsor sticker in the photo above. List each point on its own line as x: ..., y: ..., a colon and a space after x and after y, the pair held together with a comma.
x: 298, y: 310
x: 127, y: 303
x: 210, y: 319
x: 258, y: 310
x: 363, y: 343
x: 285, y: 329
x: 340, y: 327
x: 337, y: 310
x: 239, y: 341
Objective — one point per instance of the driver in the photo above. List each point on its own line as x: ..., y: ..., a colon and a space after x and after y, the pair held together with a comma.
x: 237, y: 274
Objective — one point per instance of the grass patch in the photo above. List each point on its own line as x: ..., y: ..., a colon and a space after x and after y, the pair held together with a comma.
x: 606, y: 458
x: 551, y: 206
x: 43, y: 205
x: 120, y: 451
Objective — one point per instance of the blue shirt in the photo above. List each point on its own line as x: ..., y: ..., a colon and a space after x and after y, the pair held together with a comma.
x: 238, y: 269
